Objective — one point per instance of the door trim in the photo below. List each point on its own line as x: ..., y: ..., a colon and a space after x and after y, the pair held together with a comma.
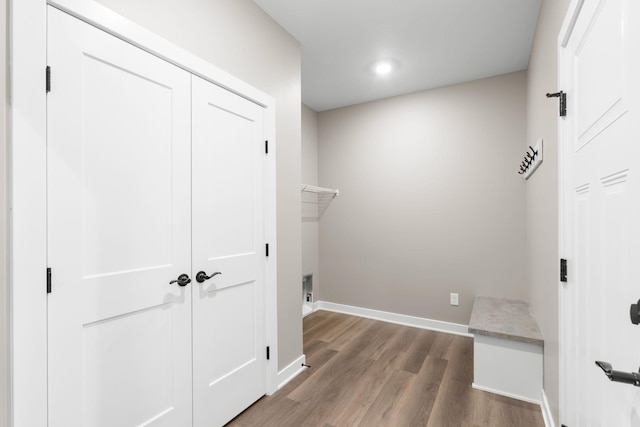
x: 564, y: 138
x: 27, y: 187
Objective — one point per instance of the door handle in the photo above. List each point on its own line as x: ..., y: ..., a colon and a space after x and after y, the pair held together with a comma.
x: 634, y: 313
x: 619, y: 376
x: 201, y: 276
x: 182, y: 280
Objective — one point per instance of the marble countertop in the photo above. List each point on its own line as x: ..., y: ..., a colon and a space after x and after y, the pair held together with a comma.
x: 504, y: 318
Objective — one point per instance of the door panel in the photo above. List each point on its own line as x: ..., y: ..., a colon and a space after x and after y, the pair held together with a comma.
x: 124, y: 228
x: 240, y: 335
x: 600, y: 227
x: 121, y: 363
x: 228, y: 237
x: 230, y: 190
x: 118, y: 232
x: 600, y: 41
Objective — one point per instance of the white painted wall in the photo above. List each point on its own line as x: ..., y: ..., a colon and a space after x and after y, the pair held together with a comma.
x: 310, y: 255
x: 238, y: 37
x: 542, y: 191
x: 430, y: 199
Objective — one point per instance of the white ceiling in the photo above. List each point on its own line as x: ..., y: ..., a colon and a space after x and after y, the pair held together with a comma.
x: 432, y: 43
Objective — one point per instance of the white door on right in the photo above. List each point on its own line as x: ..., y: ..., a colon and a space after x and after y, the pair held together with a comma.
x: 228, y: 194
x: 600, y: 211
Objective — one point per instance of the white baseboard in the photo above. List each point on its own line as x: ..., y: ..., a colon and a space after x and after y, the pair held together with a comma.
x: 502, y: 393
x: 401, y: 319
x: 546, y: 411
x: 290, y: 372
x: 544, y: 403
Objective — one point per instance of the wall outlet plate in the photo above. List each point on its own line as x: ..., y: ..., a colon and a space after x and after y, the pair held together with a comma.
x: 454, y: 299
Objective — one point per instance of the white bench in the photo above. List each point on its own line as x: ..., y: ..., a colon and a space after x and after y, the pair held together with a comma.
x: 507, y: 349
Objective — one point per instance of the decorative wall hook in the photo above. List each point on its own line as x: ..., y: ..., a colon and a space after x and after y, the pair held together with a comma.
x: 531, y: 160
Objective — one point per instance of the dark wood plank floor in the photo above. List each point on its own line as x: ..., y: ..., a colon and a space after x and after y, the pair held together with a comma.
x: 369, y: 373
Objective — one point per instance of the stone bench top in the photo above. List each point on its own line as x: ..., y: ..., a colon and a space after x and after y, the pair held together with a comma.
x: 506, y: 319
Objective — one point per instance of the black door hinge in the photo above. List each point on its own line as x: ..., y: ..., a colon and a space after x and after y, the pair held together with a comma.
x: 266, y: 250
x: 48, y: 280
x: 563, y: 270
x: 266, y: 147
x: 563, y: 101
x: 268, y: 354
x: 48, y: 83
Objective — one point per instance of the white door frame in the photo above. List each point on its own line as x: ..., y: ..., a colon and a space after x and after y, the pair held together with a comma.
x: 27, y: 187
x: 563, y: 138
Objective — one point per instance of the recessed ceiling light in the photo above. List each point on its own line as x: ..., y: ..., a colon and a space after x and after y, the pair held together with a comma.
x: 383, y: 68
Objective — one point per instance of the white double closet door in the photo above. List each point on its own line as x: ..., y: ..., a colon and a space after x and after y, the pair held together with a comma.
x: 152, y: 173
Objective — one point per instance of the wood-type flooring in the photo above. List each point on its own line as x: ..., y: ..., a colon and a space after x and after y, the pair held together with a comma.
x: 370, y: 373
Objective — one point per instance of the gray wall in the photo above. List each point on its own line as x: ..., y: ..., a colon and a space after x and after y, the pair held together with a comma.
x: 238, y: 37
x: 310, y: 257
x: 4, y: 307
x: 430, y: 199
x: 542, y: 190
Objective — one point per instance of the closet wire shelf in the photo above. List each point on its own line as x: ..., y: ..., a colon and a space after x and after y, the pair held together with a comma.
x: 315, y: 200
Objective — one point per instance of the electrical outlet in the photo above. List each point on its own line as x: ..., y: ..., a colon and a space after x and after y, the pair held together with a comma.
x: 454, y: 299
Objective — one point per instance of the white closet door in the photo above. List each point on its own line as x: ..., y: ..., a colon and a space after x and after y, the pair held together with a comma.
x: 600, y: 228
x: 119, y: 232
x: 229, y: 361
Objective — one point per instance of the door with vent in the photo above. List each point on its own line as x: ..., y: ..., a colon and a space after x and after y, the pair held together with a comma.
x: 600, y: 211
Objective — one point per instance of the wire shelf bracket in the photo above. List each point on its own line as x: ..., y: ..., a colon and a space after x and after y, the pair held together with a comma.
x: 315, y: 200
